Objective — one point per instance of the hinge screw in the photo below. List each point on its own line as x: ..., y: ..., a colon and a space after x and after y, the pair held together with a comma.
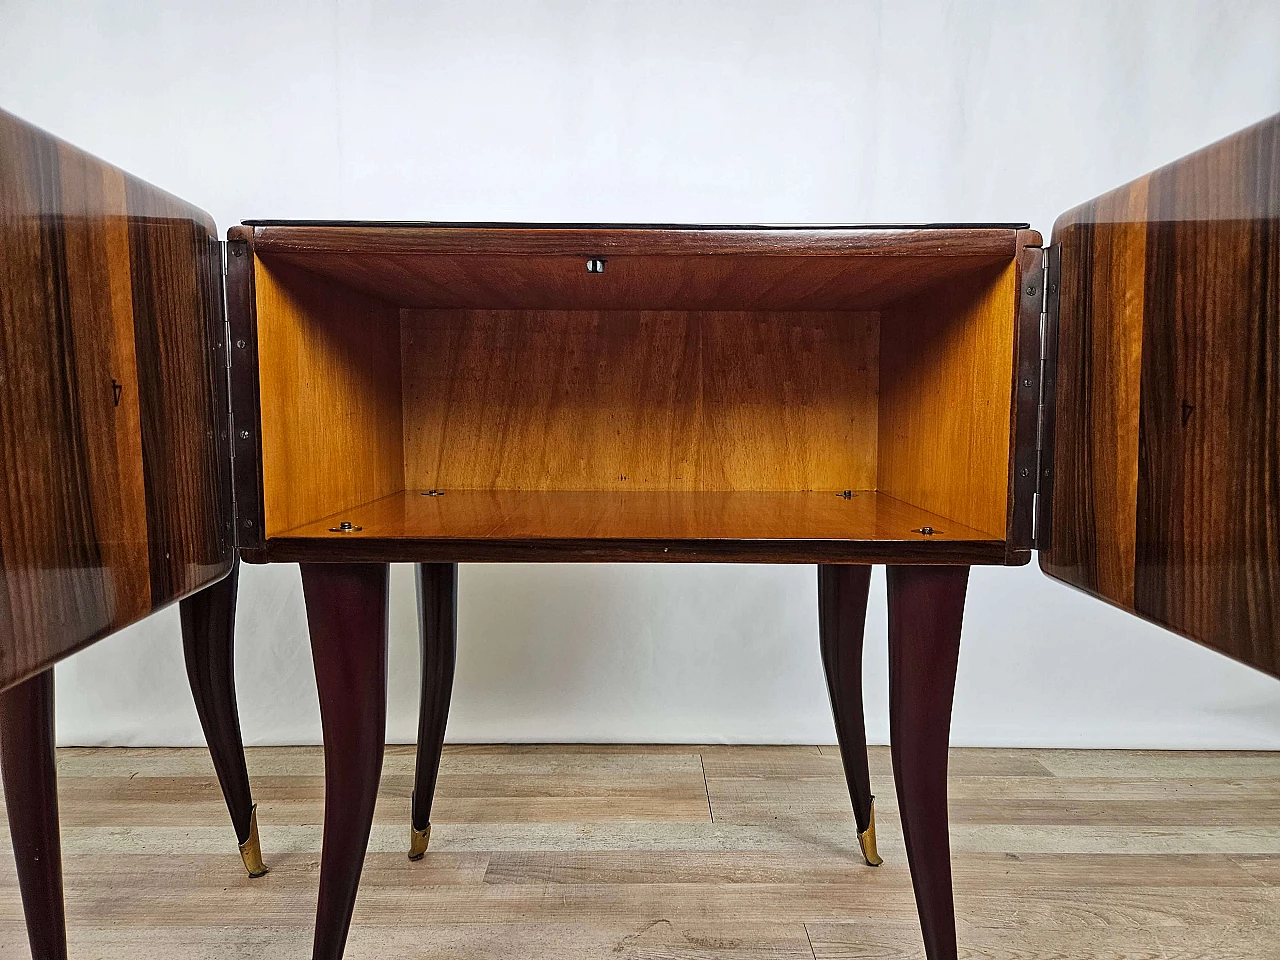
x: 244, y: 434
x: 1031, y: 291
x: 433, y: 492
x: 240, y: 344
x: 595, y: 265
x: 248, y: 524
x: 1026, y: 472
x: 346, y: 526
x: 847, y: 494
x: 1026, y: 381
x: 927, y: 531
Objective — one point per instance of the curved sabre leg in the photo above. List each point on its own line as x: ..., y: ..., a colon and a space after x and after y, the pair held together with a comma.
x: 926, y: 607
x: 208, y: 633
x: 438, y: 617
x: 31, y: 794
x: 347, y: 616
x: 842, y: 617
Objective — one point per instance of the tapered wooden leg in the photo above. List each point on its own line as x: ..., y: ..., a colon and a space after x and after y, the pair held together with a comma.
x: 208, y: 631
x: 31, y: 794
x: 926, y: 607
x: 438, y: 618
x: 842, y: 618
x: 347, y: 614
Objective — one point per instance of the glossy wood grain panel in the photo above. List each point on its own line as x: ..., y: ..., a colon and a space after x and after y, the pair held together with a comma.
x: 330, y: 394
x: 562, y: 400
x: 470, y: 525
x: 115, y: 485
x: 1167, y: 432
x: 946, y: 375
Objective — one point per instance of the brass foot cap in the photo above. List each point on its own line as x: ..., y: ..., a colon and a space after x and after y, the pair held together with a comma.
x: 418, y: 840
x: 867, y: 840
x: 251, y: 849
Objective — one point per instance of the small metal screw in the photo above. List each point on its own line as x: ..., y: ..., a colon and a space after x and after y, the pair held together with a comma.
x: 1025, y: 472
x: 236, y: 251
x: 244, y: 434
x: 595, y: 265
x: 848, y: 494
x: 248, y: 524
x: 346, y: 526
x: 1026, y: 381
x: 240, y: 344
x: 433, y: 492
x: 927, y: 531
x: 1031, y: 291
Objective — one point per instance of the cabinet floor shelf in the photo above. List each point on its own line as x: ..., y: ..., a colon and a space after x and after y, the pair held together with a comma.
x: 782, y: 526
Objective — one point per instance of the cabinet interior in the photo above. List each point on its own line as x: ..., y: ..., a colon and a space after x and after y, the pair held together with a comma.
x: 671, y: 396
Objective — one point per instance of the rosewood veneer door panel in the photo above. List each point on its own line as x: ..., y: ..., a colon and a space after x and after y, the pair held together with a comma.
x: 114, y: 473
x: 1166, y: 496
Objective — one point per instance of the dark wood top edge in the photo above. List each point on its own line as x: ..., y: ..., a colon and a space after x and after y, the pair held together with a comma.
x: 396, y: 550
x: 1087, y: 210
x: 197, y: 214
x: 572, y: 225
x: 985, y: 243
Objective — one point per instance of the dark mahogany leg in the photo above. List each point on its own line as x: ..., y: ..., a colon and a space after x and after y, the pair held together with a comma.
x: 842, y: 618
x: 347, y: 614
x: 31, y: 794
x: 208, y: 631
x: 926, y: 607
x: 438, y: 617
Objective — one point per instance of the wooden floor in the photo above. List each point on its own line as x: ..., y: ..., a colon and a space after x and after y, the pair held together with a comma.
x: 641, y: 853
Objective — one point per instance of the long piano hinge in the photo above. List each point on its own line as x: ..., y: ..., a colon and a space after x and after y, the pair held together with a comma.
x: 226, y: 339
x: 1048, y: 395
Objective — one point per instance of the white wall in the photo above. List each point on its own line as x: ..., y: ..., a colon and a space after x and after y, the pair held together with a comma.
x: 697, y: 111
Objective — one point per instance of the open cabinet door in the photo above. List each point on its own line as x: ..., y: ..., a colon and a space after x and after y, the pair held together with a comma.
x: 114, y: 455
x: 1166, y: 436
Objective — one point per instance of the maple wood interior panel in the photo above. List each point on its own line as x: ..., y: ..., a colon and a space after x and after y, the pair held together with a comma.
x: 946, y: 377
x: 632, y: 400
x: 330, y: 388
x: 1166, y: 438
x: 113, y: 447
x: 698, y: 363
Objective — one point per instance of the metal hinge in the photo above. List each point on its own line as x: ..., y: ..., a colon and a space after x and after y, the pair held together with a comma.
x: 226, y: 339
x: 226, y: 316
x: 1052, y: 264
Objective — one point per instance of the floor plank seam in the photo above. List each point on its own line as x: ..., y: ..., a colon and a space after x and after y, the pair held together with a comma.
x: 808, y: 936
x: 707, y: 787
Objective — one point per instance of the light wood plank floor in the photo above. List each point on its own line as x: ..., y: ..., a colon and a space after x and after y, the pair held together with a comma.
x: 642, y: 853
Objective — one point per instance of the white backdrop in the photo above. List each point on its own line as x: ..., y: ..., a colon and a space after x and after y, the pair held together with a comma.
x: 658, y: 111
